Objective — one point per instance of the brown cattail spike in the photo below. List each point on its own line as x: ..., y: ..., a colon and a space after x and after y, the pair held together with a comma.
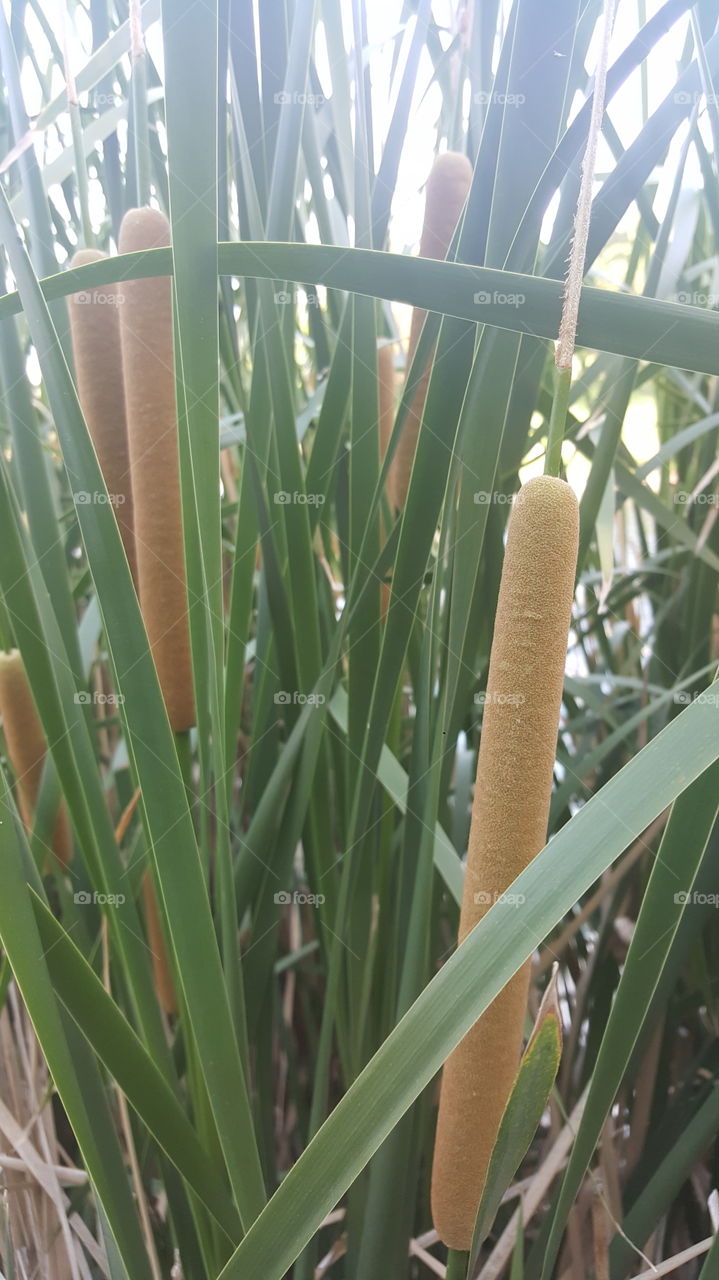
x: 150, y: 405
x: 26, y: 749
x: 509, y: 827
x: 164, y: 985
x: 95, y: 329
x: 447, y: 189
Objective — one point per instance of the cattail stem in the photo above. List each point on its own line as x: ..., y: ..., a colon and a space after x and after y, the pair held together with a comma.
x: 558, y: 421
x: 509, y: 827
x: 141, y: 133
x: 457, y: 1263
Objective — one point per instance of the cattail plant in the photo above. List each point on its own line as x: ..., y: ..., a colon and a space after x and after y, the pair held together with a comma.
x: 508, y: 828
x: 26, y: 749
x: 95, y: 330
x: 447, y: 189
x: 151, y: 409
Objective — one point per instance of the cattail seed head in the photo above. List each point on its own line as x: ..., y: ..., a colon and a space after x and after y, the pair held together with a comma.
x: 151, y: 409
x: 509, y: 827
x: 26, y: 749
x: 95, y: 330
x: 447, y: 189
x: 162, y: 973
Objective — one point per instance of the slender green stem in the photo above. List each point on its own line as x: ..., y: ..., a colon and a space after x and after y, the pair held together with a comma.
x: 457, y: 1263
x: 558, y: 421
x: 81, y: 175
x: 141, y: 129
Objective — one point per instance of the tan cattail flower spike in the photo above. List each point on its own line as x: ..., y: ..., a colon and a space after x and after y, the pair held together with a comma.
x: 509, y: 827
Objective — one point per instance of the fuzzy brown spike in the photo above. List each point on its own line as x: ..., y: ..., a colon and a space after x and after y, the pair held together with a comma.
x: 150, y: 404
x: 95, y: 330
x: 447, y: 189
x: 26, y: 748
x: 509, y: 827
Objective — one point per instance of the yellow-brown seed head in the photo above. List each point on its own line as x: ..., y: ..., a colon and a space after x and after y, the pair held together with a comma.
x: 508, y: 829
